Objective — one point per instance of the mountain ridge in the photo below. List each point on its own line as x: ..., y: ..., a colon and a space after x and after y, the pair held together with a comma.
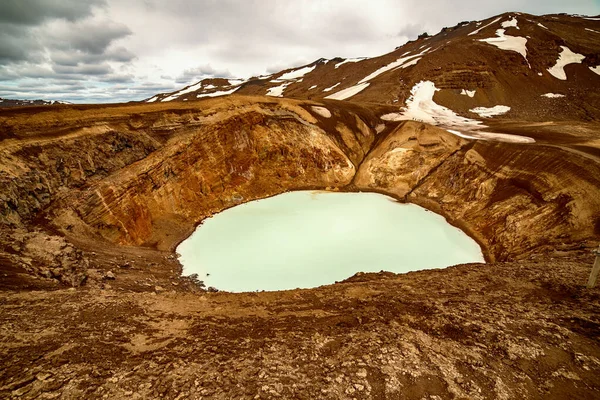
x: 509, y: 59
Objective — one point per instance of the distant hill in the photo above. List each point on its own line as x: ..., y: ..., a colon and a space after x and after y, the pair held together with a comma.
x: 22, y: 103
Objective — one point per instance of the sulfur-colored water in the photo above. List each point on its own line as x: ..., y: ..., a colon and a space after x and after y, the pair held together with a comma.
x: 310, y: 238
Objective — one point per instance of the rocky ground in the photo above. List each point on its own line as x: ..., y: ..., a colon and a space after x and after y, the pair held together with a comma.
x: 478, y: 331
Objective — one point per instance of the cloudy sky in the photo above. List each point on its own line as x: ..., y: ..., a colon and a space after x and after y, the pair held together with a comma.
x: 90, y: 51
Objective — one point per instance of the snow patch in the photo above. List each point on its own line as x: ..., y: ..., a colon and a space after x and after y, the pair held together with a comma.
x: 402, y: 62
x: 152, y: 100
x: 312, y: 87
x: 207, y: 87
x: 277, y: 91
x: 218, y: 93
x: 476, y: 31
x: 595, y: 69
x: 565, y: 58
x: 298, y: 73
x: 540, y: 25
x: 460, y: 134
x: 591, y: 30
x: 175, y: 95
x: 421, y: 107
x: 553, y: 95
x: 507, y: 42
x: 350, y: 60
x: 487, y: 112
x: 236, y: 81
x: 470, y: 93
x: 410, y: 63
x: 322, y: 111
x: 329, y: 89
x: 348, y: 92
x: 511, y: 22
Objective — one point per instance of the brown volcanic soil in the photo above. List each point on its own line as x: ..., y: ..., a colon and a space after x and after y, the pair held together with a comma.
x: 502, y: 330
x: 97, y: 197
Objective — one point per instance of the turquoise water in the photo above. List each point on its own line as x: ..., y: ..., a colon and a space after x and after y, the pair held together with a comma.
x: 312, y: 238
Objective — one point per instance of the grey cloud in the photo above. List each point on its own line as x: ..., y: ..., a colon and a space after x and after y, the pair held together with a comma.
x: 7, y: 75
x: 26, y: 71
x: 51, y: 88
x: 12, y: 50
x: 76, y: 48
x: 29, y: 85
x: 202, y: 72
x: 120, y: 54
x: 17, y: 44
x: 75, y: 57
x: 116, y: 78
x: 248, y: 25
x: 88, y: 37
x: 69, y: 77
x: 156, y: 86
x: 86, y: 69
x: 271, y: 69
x: 411, y: 31
x: 348, y: 25
x: 33, y: 71
x: 69, y: 84
x: 33, y: 12
x: 67, y: 59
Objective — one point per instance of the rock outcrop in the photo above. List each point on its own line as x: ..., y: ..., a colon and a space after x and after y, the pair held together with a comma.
x: 512, y: 198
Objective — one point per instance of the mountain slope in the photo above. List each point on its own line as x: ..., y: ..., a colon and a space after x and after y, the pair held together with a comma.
x: 534, y: 66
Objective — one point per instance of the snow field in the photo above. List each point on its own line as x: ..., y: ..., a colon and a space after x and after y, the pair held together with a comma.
x: 565, y: 58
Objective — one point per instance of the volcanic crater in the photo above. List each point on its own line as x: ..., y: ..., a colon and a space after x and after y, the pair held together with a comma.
x: 94, y: 200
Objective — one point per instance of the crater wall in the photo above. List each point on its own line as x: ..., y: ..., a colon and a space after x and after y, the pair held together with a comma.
x: 147, y: 175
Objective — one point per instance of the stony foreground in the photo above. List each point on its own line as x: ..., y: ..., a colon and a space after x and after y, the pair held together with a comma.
x: 503, y: 330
